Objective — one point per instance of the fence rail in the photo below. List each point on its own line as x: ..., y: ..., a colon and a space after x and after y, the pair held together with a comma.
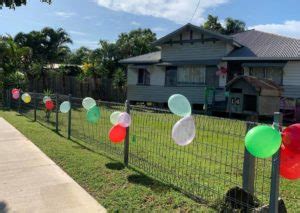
x: 210, y: 169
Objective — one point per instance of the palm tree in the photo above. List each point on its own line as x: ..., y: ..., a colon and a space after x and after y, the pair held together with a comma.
x: 48, y: 46
x: 13, y: 58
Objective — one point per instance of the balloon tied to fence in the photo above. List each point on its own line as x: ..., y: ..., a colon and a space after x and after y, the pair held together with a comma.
x: 93, y: 111
x: 121, y: 121
x: 184, y: 131
x: 264, y: 141
x: 26, y: 98
x: 15, y: 93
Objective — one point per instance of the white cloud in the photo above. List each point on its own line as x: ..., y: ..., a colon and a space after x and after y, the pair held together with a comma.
x: 87, y: 43
x: 179, y: 11
x: 65, y: 14
x: 74, y: 32
x: 89, y: 17
x: 134, y: 23
x: 158, y: 29
x: 289, y: 28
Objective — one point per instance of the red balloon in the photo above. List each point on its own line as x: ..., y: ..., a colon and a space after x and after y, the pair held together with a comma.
x: 13, y: 91
x: 289, y: 164
x: 49, y: 105
x: 291, y: 138
x: 117, y: 134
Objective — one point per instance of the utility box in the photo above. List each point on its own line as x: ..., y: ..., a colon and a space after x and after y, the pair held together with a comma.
x: 252, y: 96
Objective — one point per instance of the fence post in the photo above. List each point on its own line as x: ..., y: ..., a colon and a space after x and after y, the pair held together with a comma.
x: 274, y: 191
x: 249, y: 167
x: 7, y: 99
x: 56, y: 112
x: 19, y: 103
x: 34, y: 105
x: 126, y: 145
x: 70, y: 117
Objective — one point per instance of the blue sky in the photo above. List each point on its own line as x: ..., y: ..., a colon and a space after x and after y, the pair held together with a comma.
x: 88, y: 21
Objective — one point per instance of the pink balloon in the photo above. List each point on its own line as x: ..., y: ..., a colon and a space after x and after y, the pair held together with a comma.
x: 16, y: 95
x: 124, y: 119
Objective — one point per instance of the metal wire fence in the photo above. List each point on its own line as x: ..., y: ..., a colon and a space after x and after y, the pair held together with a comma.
x: 213, y: 169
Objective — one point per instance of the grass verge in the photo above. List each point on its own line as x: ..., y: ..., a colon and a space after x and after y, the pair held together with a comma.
x: 114, y: 186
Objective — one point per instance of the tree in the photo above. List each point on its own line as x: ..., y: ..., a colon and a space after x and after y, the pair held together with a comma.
x: 212, y: 23
x: 13, y: 60
x: 48, y: 46
x: 136, y: 42
x: 119, y: 78
x: 80, y: 56
x: 54, y: 42
x: 233, y: 26
x: 12, y: 4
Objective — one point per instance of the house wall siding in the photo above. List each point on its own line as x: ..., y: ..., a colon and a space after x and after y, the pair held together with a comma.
x: 161, y: 94
x: 157, y: 75
x: 196, y: 51
x: 291, y: 79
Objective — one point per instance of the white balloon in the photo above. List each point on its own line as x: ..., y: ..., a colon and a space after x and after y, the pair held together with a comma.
x: 184, y: 131
x: 124, y: 119
x: 45, y: 99
x: 88, y: 103
x: 114, y: 117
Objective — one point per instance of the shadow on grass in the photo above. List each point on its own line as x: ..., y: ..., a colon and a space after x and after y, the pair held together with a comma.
x: 115, y: 166
x: 3, y: 207
x: 154, y: 185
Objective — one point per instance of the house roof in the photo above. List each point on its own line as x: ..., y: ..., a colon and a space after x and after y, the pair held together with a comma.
x: 257, y: 83
x: 150, y: 58
x: 261, y: 45
x: 197, y: 29
x: 249, y: 46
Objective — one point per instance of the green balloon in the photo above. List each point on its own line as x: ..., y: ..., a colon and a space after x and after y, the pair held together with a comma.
x: 263, y: 141
x: 180, y: 105
x: 93, y: 114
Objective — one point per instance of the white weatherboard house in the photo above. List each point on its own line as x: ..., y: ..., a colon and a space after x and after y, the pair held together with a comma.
x: 192, y: 58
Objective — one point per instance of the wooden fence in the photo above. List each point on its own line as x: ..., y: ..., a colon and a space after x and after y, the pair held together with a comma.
x: 102, y: 89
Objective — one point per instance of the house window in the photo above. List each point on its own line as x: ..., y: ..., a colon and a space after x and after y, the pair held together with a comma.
x: 190, y: 75
x: 272, y: 73
x: 143, y: 77
x: 171, y: 76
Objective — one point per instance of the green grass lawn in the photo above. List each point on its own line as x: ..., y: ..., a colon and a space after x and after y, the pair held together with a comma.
x: 115, y: 187
x: 207, y: 168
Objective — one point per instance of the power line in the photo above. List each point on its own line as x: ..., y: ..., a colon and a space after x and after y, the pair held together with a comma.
x: 198, y: 5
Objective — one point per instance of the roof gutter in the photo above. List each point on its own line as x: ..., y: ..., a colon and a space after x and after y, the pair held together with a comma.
x: 260, y: 59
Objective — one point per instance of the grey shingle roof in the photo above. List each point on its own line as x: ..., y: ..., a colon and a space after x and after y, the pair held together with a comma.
x: 150, y: 58
x: 265, y: 45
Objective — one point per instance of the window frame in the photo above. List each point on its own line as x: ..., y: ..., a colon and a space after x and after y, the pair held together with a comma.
x: 265, y: 71
x: 184, y: 84
x: 144, y: 77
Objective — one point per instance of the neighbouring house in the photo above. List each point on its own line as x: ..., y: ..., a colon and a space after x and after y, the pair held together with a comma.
x: 192, y: 58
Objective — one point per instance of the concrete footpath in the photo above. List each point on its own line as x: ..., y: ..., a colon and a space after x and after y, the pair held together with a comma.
x: 31, y: 182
